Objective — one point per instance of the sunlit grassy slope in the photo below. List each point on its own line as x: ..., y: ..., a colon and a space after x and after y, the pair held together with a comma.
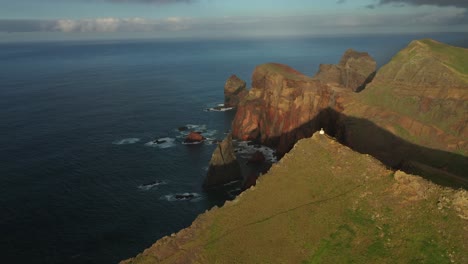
x: 324, y: 203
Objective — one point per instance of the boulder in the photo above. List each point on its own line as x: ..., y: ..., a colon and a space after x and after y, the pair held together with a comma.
x: 194, y: 137
x: 224, y: 167
x: 234, y: 91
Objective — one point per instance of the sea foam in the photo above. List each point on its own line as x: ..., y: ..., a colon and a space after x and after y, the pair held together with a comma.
x: 126, y: 141
x: 162, y: 143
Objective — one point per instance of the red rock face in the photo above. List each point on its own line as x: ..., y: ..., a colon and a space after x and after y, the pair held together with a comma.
x: 354, y: 71
x: 283, y: 106
x: 194, y: 137
x: 234, y: 91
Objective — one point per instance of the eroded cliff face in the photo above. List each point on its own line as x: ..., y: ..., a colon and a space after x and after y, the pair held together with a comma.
x: 284, y: 106
x: 354, y: 71
x: 234, y: 91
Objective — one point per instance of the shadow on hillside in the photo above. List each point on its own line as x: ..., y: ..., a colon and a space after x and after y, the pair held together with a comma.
x: 441, y: 167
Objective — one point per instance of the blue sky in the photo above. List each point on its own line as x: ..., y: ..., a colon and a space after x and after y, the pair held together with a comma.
x: 80, y: 19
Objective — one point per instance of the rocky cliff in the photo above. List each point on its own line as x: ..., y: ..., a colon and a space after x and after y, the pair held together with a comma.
x: 284, y: 106
x: 234, y: 91
x: 354, y: 71
x: 325, y: 203
x: 411, y: 116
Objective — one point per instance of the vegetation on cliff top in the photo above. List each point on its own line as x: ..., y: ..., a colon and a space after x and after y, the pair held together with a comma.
x: 324, y: 203
x: 426, y: 85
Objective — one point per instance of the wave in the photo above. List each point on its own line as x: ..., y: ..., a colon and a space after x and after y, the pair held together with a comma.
x: 192, y: 143
x: 126, y: 141
x: 162, y: 143
x: 218, y: 109
x: 177, y: 197
x: 150, y: 185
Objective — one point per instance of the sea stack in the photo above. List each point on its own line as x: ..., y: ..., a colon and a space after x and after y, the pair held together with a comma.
x: 224, y: 167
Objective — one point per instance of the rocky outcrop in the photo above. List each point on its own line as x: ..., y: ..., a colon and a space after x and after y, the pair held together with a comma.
x: 284, y: 106
x: 354, y: 72
x: 234, y: 91
x: 223, y: 167
x: 194, y: 137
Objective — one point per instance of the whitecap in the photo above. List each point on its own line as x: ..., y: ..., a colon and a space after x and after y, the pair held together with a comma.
x: 126, y: 141
x: 192, y: 143
x: 150, y: 185
x: 178, y: 197
x: 209, y: 133
x: 211, y: 141
x: 219, y: 109
x: 162, y: 143
x: 196, y: 127
x: 231, y: 183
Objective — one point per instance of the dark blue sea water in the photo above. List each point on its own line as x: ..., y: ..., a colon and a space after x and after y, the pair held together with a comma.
x: 75, y: 118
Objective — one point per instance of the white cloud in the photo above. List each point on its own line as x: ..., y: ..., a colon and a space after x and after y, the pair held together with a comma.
x: 322, y: 23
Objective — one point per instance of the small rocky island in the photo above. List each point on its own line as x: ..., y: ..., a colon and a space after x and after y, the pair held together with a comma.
x: 348, y: 194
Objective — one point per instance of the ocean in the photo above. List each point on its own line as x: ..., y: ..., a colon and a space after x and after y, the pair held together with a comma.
x: 80, y: 180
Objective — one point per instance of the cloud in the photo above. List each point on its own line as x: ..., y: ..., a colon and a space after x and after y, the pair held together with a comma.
x: 95, y: 25
x: 455, y: 3
x: 148, y: 1
x: 255, y: 25
x: 341, y: 1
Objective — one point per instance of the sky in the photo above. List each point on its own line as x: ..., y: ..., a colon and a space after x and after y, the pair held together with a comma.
x: 100, y: 19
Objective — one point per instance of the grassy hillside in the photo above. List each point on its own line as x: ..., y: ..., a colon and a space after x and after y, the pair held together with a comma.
x: 324, y: 203
x: 421, y: 95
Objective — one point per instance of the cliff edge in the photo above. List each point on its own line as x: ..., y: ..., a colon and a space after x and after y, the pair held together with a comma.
x: 325, y: 203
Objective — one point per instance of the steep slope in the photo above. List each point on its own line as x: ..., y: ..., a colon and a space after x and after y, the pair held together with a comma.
x: 420, y: 96
x: 427, y: 82
x: 324, y: 203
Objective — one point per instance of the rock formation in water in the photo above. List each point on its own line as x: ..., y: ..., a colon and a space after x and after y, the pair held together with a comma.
x: 223, y: 167
x: 234, y: 91
x: 194, y: 137
x: 354, y: 71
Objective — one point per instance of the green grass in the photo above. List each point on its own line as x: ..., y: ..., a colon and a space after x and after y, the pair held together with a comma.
x: 324, y: 203
x: 445, y: 114
x: 455, y: 57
